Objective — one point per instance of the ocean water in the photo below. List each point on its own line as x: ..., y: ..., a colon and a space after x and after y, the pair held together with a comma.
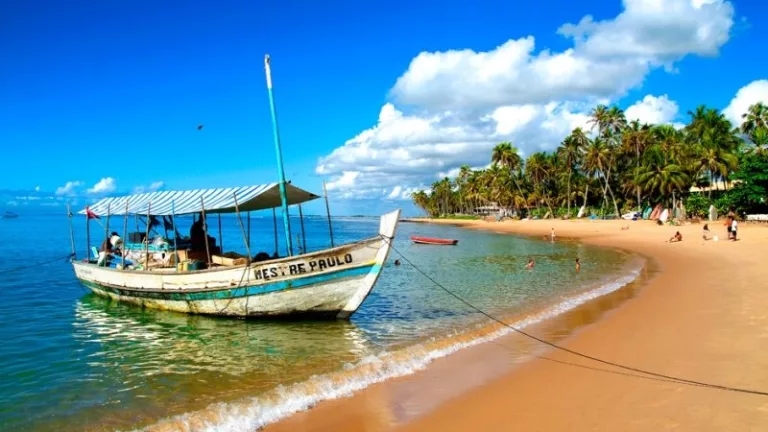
x: 73, y: 361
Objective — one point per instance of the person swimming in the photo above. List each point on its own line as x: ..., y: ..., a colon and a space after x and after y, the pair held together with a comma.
x: 531, y: 264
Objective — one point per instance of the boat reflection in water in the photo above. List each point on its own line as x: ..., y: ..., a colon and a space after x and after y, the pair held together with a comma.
x: 159, y: 363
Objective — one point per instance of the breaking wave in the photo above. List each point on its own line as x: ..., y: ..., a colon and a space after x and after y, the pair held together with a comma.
x: 255, y: 412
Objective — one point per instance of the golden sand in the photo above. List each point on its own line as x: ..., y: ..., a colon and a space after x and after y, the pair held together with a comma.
x: 702, y: 316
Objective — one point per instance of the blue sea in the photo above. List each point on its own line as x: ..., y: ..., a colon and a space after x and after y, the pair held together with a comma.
x: 73, y: 361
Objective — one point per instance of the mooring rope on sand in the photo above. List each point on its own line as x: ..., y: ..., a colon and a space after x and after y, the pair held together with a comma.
x: 647, y: 373
x: 15, y: 269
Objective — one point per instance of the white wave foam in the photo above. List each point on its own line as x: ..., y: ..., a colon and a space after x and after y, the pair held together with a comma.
x: 254, y: 413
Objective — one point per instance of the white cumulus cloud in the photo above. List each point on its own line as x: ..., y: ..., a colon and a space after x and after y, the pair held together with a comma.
x: 607, y: 58
x: 750, y: 94
x: 69, y: 188
x: 105, y: 185
x: 653, y: 110
x: 462, y: 102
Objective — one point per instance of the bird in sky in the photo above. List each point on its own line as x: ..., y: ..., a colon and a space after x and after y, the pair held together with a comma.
x: 200, y: 127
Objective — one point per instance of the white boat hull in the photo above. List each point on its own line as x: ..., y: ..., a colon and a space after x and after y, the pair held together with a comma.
x: 329, y: 283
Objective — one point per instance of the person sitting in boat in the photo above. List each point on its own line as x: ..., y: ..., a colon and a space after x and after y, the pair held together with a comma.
x: 197, y: 233
x: 110, y: 247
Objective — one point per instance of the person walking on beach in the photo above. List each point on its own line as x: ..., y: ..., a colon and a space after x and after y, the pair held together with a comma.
x: 734, y: 226
x: 552, y: 235
x: 728, y: 222
x: 705, y: 232
x: 530, y: 264
x: 578, y: 265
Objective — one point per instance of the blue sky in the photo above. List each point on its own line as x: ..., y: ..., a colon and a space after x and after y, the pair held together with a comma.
x: 97, y: 90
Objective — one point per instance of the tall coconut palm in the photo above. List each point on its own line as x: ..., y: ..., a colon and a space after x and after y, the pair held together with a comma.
x: 506, y: 155
x: 598, y: 117
x: 615, y: 122
x: 754, y: 119
x: 571, y: 152
x: 636, y: 138
x: 598, y: 161
x: 539, y: 168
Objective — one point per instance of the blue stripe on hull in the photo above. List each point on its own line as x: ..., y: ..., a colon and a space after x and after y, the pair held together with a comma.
x: 225, y: 294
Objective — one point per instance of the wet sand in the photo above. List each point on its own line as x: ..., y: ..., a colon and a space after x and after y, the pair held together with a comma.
x: 703, y: 315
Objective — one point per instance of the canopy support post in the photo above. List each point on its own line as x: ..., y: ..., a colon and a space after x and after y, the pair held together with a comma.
x: 87, y: 236
x: 221, y: 239
x: 71, y: 231
x: 249, y: 227
x: 125, y: 233
x: 328, y: 212
x: 106, y: 231
x: 242, y: 228
x: 278, y: 151
x: 175, y: 234
x: 274, y: 222
x: 205, y: 231
x: 303, y: 233
x: 146, y: 238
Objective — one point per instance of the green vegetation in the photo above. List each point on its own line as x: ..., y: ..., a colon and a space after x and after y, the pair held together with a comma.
x: 624, y: 167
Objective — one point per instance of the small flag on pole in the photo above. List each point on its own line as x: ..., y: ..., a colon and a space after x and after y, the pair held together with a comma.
x: 90, y: 214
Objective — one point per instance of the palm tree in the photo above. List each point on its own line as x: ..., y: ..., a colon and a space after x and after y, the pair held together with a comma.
x: 539, y: 168
x: 599, y: 117
x: 715, y: 143
x: 571, y: 152
x: 637, y: 137
x: 506, y: 155
x: 754, y: 119
x: 760, y: 140
x: 615, y: 122
x: 598, y: 161
x: 657, y: 176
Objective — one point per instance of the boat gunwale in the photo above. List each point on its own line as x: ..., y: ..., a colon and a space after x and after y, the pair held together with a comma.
x: 228, y: 268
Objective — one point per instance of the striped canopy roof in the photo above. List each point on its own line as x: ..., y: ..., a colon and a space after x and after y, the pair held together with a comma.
x: 249, y: 198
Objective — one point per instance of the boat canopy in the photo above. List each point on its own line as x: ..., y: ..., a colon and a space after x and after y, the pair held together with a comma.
x: 166, y: 203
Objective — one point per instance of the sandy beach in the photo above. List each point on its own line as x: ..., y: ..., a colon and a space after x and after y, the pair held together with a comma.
x: 701, y: 316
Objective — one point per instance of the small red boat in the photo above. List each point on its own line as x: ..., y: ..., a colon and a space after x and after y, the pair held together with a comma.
x: 434, y: 241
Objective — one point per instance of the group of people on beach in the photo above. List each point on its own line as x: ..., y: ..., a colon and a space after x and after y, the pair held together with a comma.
x: 731, y: 227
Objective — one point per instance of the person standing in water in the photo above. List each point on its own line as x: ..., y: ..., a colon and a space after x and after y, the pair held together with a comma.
x: 530, y: 264
x: 552, y: 235
x: 578, y: 265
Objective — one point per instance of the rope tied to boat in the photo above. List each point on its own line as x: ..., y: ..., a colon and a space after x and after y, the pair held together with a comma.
x: 645, y: 373
x: 64, y: 258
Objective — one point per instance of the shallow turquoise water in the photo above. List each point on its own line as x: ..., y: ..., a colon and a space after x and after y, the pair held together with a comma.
x: 73, y: 361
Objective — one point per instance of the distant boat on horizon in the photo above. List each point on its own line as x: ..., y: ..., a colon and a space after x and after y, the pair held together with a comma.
x: 10, y: 215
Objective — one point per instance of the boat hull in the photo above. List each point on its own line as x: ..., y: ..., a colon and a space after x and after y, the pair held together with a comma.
x: 329, y: 283
x: 434, y: 241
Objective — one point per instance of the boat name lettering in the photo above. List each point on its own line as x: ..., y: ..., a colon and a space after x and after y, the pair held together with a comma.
x: 314, y: 265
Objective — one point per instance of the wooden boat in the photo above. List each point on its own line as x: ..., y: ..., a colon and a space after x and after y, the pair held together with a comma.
x: 434, y: 241
x: 327, y: 283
